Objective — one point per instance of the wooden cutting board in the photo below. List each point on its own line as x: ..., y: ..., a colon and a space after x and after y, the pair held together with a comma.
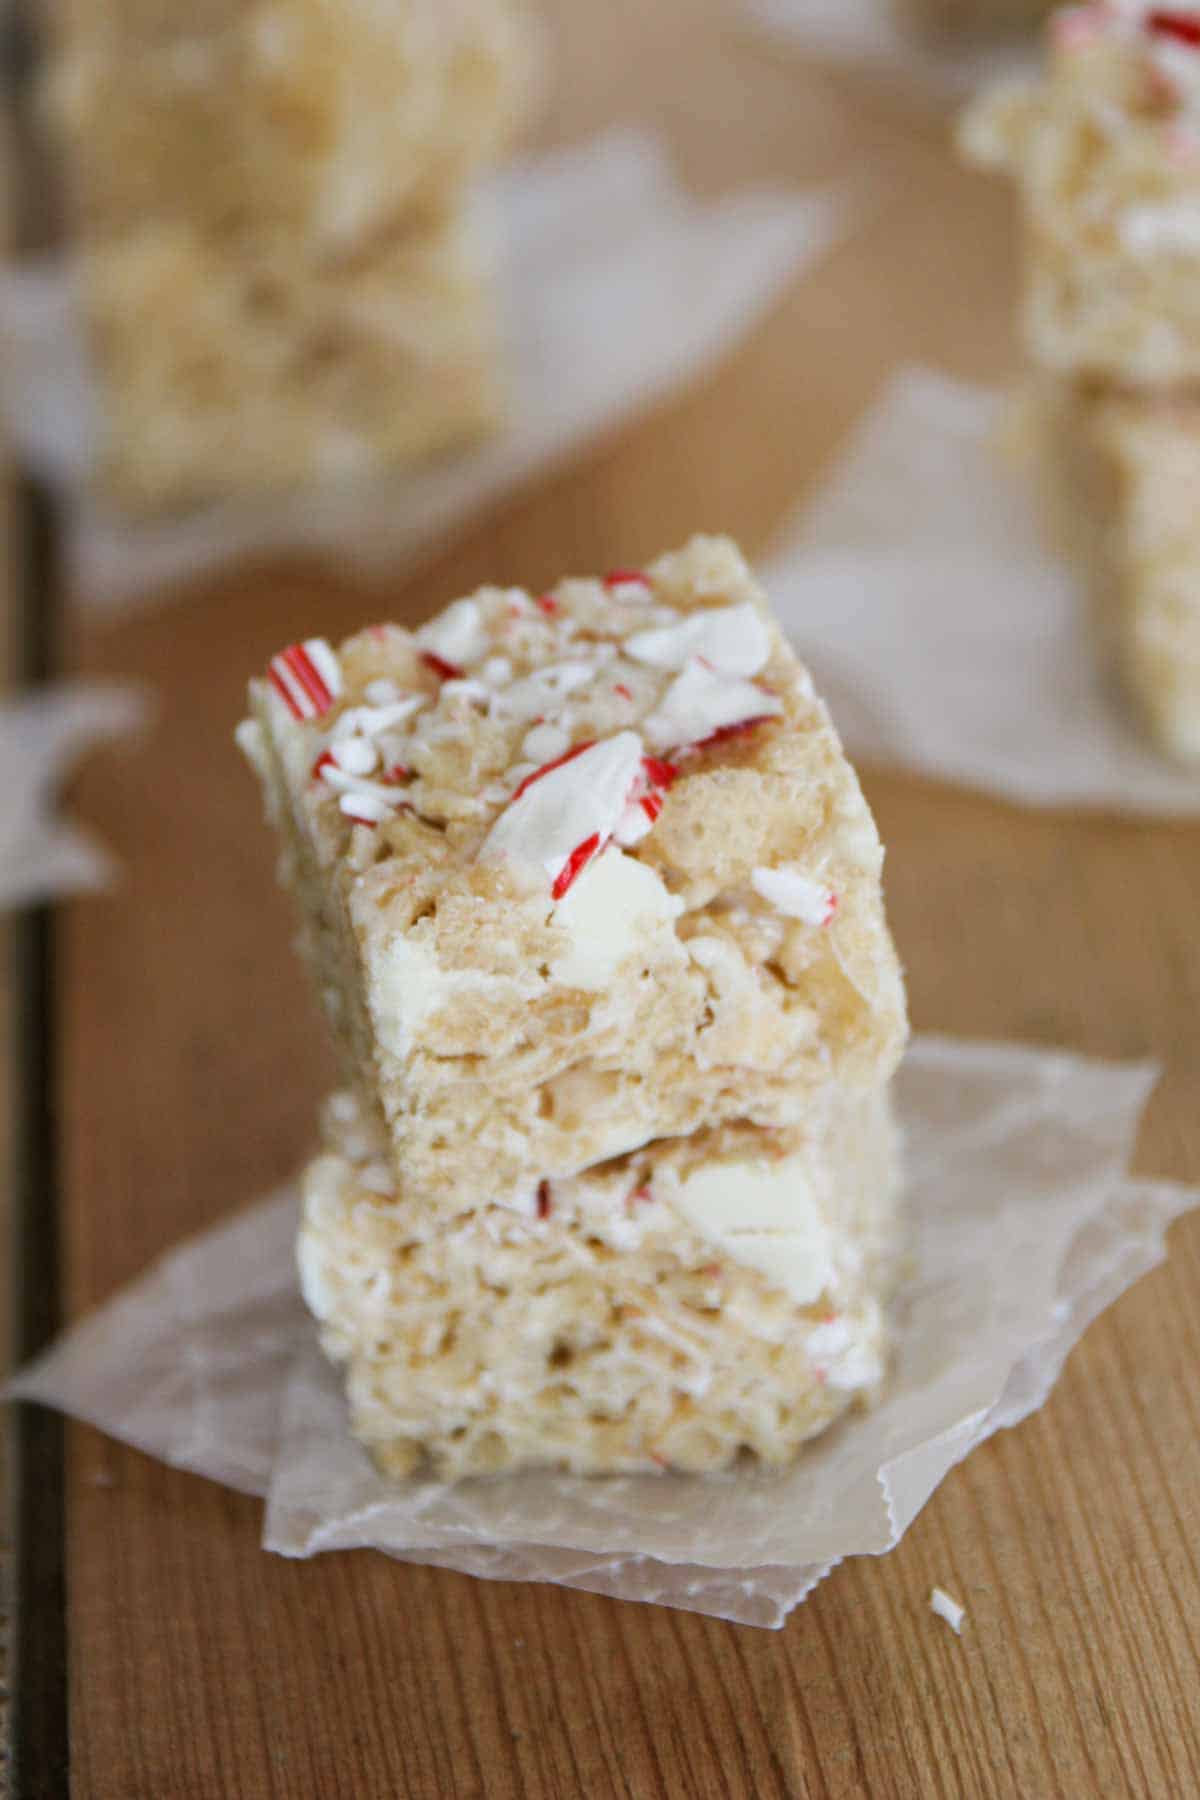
x: 176, y: 1658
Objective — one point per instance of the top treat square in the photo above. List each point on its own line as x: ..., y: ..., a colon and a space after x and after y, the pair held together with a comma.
x: 578, y: 872
x: 1106, y: 151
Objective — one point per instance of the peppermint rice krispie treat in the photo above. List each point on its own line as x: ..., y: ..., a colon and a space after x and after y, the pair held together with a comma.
x: 240, y: 117
x: 280, y: 269
x: 1123, y: 472
x: 1105, y: 149
x: 579, y: 871
x: 973, y: 18
x: 691, y: 1300
x: 240, y: 373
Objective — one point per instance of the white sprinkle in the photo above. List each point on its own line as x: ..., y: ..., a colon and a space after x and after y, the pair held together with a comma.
x: 369, y: 721
x: 382, y: 691
x: 948, y: 1609
x: 465, y: 688
x: 356, y: 755
x: 794, y: 894
x: 357, y: 785
x: 544, y: 743
x: 364, y: 808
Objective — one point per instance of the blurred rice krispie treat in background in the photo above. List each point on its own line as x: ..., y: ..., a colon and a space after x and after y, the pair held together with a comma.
x: 1105, y: 151
x: 280, y: 272
x: 973, y: 18
x: 592, y: 901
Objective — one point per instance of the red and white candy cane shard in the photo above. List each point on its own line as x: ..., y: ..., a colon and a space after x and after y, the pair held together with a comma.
x: 549, y: 768
x: 307, y: 677
x: 627, y: 584
x: 548, y: 604
x: 723, y: 734
x: 659, y: 774
x: 441, y: 667
x: 575, y: 864
x: 1167, y: 21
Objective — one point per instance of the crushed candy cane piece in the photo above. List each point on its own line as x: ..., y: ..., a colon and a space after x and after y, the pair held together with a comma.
x: 307, y: 677
x: 574, y: 866
x: 459, y: 635
x: 564, y: 813
x: 730, y: 640
x: 795, y: 894
x: 1183, y: 27
x: 699, y: 704
x: 627, y: 584
x: 947, y: 1608
x: 548, y: 604
x: 441, y: 667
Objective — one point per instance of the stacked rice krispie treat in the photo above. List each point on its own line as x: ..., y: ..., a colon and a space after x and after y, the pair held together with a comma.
x: 1105, y: 149
x: 280, y: 267
x: 974, y: 18
x: 591, y: 898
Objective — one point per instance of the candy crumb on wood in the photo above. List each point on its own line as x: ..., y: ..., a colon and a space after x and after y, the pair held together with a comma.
x: 947, y: 1608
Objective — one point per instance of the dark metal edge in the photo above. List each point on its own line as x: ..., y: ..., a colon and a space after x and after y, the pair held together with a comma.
x: 39, y: 1704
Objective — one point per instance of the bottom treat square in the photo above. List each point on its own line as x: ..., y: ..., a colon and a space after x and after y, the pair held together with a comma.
x: 670, y: 1308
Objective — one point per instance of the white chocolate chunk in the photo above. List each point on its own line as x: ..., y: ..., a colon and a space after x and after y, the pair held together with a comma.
x: 615, y: 907
x: 764, y: 1215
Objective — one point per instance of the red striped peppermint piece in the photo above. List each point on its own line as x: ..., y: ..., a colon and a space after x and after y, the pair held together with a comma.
x: 566, y: 813
x: 627, y: 584
x: 307, y: 677
x: 441, y: 666
x: 1184, y: 27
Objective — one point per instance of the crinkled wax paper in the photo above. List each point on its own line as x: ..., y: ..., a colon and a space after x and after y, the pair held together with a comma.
x: 940, y: 624
x: 872, y: 35
x: 41, y: 736
x: 621, y: 287
x: 1024, y: 1226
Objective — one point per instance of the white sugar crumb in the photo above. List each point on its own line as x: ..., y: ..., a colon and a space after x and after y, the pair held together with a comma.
x: 946, y: 1608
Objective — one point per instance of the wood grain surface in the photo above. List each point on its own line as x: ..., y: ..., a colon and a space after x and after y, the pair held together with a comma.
x: 189, y: 1067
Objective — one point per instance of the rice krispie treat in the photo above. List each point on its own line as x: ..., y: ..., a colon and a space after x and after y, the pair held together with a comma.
x: 230, y: 373
x: 974, y: 18
x: 671, y: 1308
x: 1105, y: 149
x: 1127, y: 471
x: 238, y: 117
x: 579, y: 871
